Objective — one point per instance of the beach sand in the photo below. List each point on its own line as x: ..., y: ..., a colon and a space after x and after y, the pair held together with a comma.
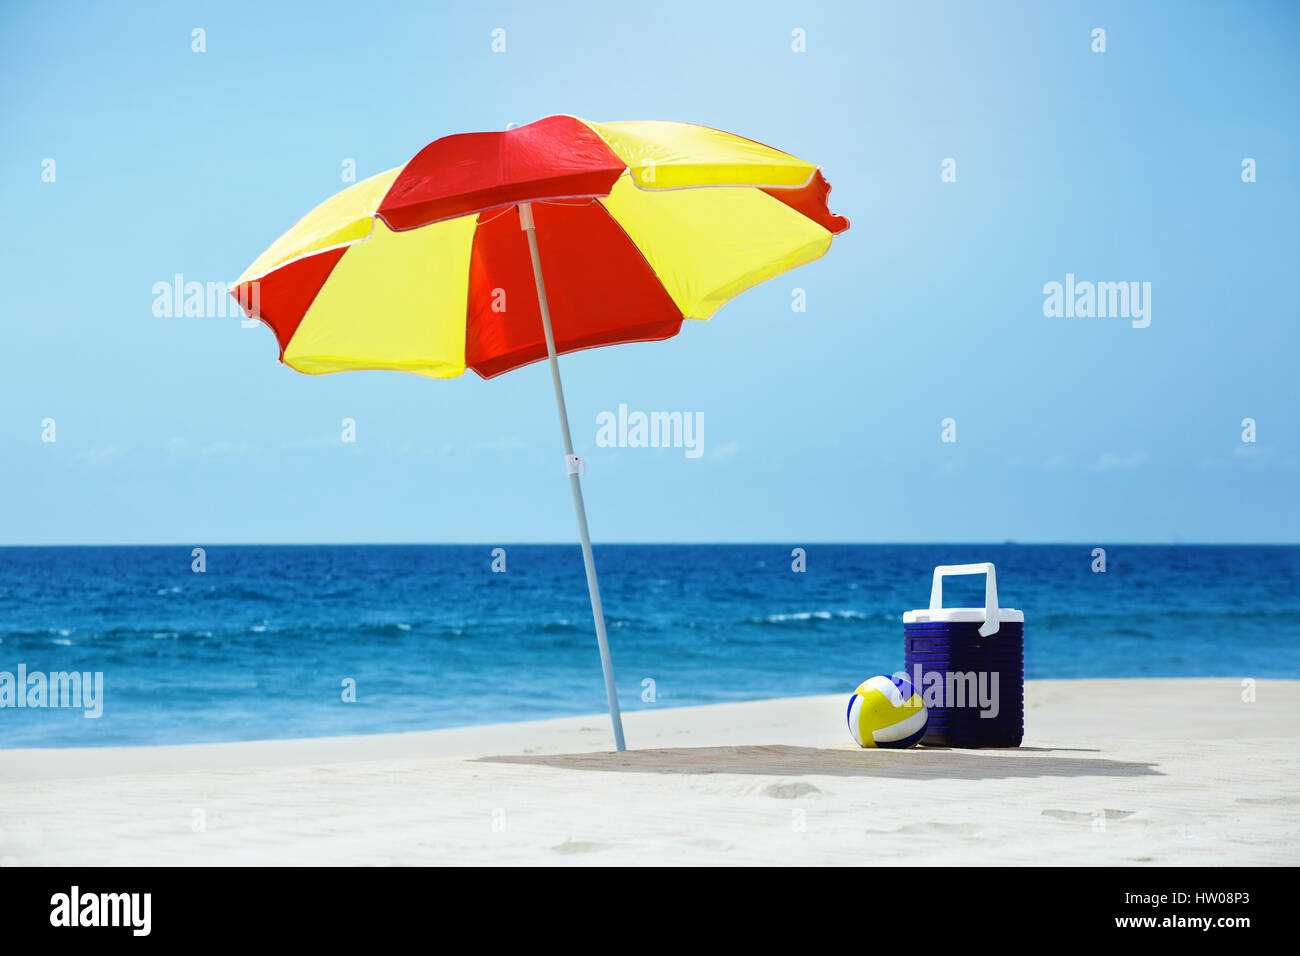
x: 1128, y: 772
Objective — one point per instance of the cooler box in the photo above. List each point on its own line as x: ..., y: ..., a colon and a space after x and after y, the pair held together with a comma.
x: 968, y: 664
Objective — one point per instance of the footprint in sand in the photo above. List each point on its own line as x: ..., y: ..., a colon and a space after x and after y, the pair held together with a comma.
x: 1282, y: 801
x: 931, y: 828
x: 1074, y: 816
x: 707, y: 843
x: 578, y: 846
x: 940, y: 829
x: 789, y: 790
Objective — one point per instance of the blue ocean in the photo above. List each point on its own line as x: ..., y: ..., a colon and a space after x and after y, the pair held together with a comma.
x: 268, y: 640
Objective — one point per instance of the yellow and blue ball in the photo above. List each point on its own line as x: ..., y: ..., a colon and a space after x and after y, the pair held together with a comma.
x: 886, y: 712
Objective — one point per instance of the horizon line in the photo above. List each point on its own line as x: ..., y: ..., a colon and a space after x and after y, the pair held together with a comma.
x: 565, y: 543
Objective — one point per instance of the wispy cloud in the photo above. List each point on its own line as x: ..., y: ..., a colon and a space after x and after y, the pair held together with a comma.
x: 101, y: 454
x: 725, y: 450
x: 222, y: 448
x: 1250, y: 455
x: 504, y: 443
x: 307, y: 444
x: 1109, y: 461
x: 1252, y: 452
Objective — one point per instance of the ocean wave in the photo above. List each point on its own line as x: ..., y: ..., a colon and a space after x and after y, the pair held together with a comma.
x: 216, y: 593
x: 124, y: 635
x: 562, y: 626
x: 57, y: 633
x: 1133, y: 632
x: 631, y: 623
x: 374, y: 628
x: 800, y: 617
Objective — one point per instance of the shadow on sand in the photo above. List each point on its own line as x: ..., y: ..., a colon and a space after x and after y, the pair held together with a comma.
x: 778, y: 760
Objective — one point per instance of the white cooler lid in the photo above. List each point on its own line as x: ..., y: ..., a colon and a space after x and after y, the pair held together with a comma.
x: 948, y: 615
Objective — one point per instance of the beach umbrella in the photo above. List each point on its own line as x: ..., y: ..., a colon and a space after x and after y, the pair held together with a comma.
x: 627, y: 229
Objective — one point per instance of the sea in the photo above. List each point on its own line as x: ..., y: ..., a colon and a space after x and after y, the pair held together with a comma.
x: 266, y: 641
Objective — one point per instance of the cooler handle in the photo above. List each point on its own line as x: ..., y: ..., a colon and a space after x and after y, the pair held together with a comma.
x: 992, y: 619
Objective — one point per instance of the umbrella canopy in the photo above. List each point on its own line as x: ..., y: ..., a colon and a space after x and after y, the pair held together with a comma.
x: 421, y: 269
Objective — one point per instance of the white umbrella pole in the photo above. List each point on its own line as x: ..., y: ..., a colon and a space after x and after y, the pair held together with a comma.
x: 593, y: 588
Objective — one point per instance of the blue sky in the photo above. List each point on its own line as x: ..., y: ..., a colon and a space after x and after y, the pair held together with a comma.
x: 819, y: 426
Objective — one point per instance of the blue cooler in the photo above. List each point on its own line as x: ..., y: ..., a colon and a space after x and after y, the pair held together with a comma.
x: 968, y: 665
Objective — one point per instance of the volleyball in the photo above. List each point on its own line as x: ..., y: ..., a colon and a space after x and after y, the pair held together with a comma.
x: 886, y: 712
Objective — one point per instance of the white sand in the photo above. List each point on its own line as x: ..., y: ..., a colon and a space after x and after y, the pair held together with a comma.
x: 1112, y: 772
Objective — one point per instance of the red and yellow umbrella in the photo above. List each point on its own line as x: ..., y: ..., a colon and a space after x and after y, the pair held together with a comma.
x: 643, y: 224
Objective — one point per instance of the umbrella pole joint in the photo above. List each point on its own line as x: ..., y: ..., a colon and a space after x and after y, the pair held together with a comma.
x: 575, y: 468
